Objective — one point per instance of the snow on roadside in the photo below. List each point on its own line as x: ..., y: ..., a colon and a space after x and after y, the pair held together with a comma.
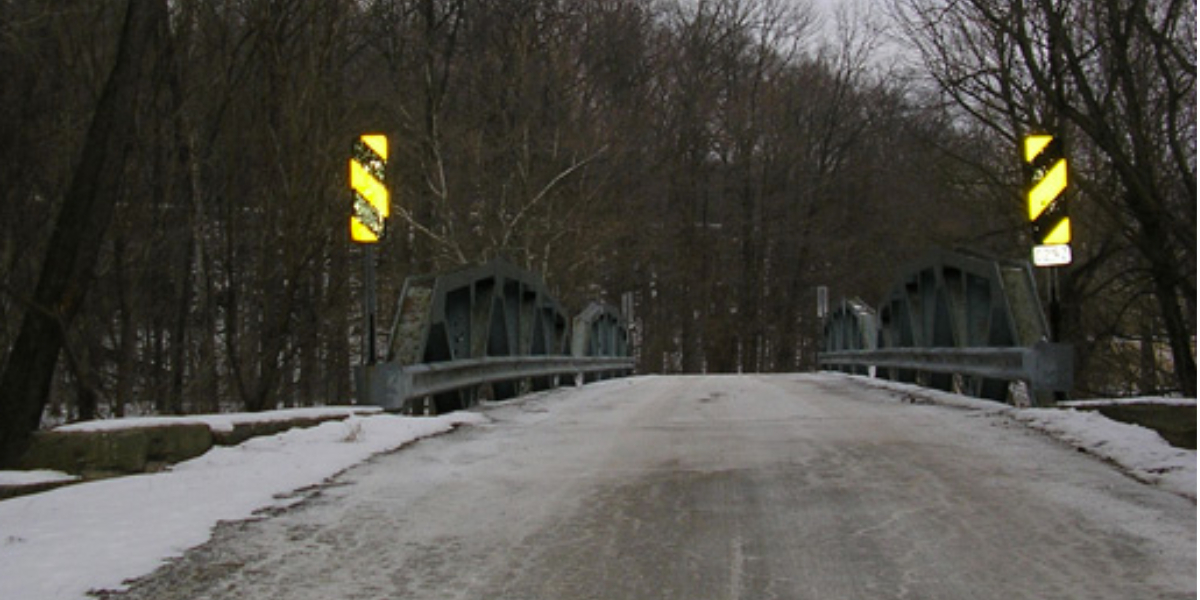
x: 96, y: 535
x: 222, y: 422
x: 218, y: 423
x: 915, y: 393
x: 40, y: 476
x: 1136, y: 450
x: 1160, y: 400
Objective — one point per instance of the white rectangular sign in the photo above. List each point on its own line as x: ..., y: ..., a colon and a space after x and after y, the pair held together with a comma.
x: 1055, y: 255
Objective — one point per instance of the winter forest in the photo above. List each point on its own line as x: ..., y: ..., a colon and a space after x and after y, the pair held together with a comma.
x: 174, y: 203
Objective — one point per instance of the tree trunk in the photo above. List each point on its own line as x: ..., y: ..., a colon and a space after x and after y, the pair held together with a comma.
x: 78, y: 233
x: 127, y: 350
x: 185, y: 174
x: 179, y: 332
x: 1177, y: 331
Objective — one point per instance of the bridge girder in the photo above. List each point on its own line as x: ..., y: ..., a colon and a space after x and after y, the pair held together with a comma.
x: 959, y: 303
x: 467, y: 320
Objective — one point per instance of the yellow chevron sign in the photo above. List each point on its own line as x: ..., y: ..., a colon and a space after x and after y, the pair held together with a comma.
x: 1046, y: 174
x: 368, y: 177
x: 1047, y: 168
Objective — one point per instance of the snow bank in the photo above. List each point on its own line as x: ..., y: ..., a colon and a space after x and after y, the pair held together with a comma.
x: 913, y: 392
x: 38, y: 477
x: 222, y: 422
x: 1161, y: 400
x: 1139, y: 451
x: 62, y: 543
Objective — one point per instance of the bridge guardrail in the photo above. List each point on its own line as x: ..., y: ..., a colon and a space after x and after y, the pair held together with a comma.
x: 396, y: 386
x: 1045, y: 367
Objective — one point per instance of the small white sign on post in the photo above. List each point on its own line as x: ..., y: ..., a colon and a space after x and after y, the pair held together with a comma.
x: 1055, y: 255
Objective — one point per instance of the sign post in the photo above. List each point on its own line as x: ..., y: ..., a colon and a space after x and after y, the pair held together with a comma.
x: 1046, y: 181
x: 370, y: 209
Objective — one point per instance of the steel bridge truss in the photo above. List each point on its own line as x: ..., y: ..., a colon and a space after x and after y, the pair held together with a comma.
x: 956, y: 323
x: 488, y: 332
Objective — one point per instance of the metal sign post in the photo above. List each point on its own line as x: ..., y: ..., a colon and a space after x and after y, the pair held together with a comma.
x: 1046, y: 184
x: 369, y: 306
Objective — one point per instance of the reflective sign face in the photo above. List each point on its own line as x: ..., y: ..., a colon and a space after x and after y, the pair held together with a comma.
x: 1035, y: 144
x: 372, y: 201
x: 1047, y: 188
x: 1046, y: 175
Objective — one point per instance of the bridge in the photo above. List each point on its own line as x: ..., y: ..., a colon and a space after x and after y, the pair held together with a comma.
x: 492, y: 331
x: 952, y: 321
x: 800, y: 486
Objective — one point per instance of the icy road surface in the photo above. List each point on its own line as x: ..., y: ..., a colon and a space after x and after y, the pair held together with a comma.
x: 791, y: 487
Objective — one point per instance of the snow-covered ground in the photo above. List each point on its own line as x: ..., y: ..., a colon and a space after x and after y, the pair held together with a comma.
x: 218, y: 423
x: 92, y: 536
x: 1162, y: 400
x: 223, y: 422
x: 1137, y: 450
x: 32, y: 478
x: 62, y: 543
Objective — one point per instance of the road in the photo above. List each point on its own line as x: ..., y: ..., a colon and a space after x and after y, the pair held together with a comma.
x: 757, y: 487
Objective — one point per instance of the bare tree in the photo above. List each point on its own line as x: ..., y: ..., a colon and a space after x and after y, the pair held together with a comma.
x: 1117, y: 78
x: 79, y: 231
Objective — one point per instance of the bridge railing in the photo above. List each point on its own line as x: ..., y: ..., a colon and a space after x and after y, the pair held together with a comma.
x: 398, y: 387
x: 1045, y: 367
x: 958, y: 323
x: 492, y: 331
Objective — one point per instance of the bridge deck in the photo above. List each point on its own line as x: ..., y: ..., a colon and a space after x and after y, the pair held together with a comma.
x: 714, y: 487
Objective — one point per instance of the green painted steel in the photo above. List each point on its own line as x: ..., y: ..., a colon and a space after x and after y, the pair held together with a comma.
x: 492, y: 331
x: 955, y: 322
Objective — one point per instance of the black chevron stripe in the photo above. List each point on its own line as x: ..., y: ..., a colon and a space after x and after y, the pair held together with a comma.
x: 1037, y: 168
x: 369, y: 159
x: 367, y: 215
x: 1049, y: 219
